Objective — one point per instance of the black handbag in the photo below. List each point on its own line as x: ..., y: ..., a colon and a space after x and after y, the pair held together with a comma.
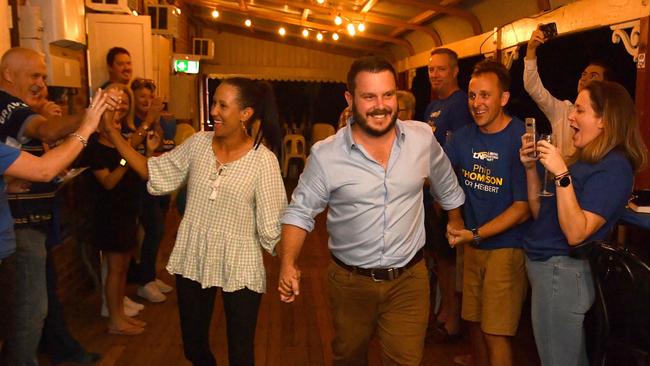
x: 583, y: 250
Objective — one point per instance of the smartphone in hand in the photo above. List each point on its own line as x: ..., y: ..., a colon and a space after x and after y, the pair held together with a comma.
x: 532, y: 133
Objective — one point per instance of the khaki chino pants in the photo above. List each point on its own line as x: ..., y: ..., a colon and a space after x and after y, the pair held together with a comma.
x: 397, y: 310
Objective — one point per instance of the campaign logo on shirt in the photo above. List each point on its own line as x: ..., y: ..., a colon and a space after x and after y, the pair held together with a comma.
x: 8, y: 110
x: 433, y: 117
x: 485, y: 155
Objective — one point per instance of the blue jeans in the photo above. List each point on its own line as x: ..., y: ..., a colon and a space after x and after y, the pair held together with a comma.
x: 562, y: 292
x: 30, y: 298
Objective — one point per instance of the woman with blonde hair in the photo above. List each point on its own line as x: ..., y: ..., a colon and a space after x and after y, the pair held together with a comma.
x: 116, y: 211
x: 590, y: 192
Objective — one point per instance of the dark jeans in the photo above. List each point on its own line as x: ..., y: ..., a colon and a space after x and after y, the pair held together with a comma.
x: 152, y: 219
x: 56, y: 339
x: 195, y: 306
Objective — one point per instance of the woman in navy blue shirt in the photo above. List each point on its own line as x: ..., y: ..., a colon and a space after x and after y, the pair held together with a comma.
x: 590, y: 193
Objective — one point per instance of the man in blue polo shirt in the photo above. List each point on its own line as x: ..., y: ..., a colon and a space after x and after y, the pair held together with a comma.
x: 486, y: 157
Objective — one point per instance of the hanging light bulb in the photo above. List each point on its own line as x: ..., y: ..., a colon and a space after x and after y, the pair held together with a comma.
x: 335, y: 36
x: 361, y: 27
x: 178, y: 10
x: 319, y: 36
x: 338, y: 20
x: 215, y: 13
x: 320, y: 1
x: 305, y: 33
x: 248, y: 23
x: 351, y: 30
x: 282, y: 31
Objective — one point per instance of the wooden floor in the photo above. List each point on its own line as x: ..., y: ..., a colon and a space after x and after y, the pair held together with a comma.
x: 287, y: 334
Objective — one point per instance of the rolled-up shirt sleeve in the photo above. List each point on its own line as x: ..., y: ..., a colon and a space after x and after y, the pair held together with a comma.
x: 169, y: 171
x: 310, y: 196
x: 444, y: 183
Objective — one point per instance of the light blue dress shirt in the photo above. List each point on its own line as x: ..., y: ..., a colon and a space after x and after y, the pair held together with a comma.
x: 376, y: 215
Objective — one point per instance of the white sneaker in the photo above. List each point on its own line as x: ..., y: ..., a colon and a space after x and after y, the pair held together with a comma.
x: 151, y: 292
x: 163, y: 287
x: 130, y: 312
x: 128, y: 303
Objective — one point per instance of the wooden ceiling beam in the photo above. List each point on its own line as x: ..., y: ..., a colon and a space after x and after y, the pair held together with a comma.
x: 267, y: 34
x: 273, y: 16
x: 449, y: 10
x: 353, y: 16
x: 368, y: 5
x: 418, y: 19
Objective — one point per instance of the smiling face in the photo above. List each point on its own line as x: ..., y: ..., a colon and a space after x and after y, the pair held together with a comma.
x: 227, y: 112
x: 442, y: 74
x: 121, y: 71
x: 591, y: 72
x: 143, y: 98
x: 28, y: 79
x: 374, y: 103
x: 486, y: 102
x: 586, y: 124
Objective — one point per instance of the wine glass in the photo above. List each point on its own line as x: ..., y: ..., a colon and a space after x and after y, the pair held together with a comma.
x: 544, y: 192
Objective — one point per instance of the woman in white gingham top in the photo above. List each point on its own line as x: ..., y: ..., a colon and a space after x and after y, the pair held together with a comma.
x: 235, y: 198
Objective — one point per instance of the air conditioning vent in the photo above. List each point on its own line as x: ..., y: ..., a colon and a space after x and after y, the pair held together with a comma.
x: 111, y: 6
x: 164, y: 21
x: 203, y: 47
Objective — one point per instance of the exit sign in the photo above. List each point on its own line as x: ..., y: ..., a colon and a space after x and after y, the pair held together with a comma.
x: 186, y: 66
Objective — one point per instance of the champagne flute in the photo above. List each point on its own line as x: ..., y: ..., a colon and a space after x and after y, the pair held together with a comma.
x: 544, y: 192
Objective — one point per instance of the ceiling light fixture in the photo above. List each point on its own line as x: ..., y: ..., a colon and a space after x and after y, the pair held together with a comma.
x: 215, y: 13
x: 282, y: 31
x: 351, y: 30
x: 361, y: 27
x: 338, y: 20
x: 335, y: 36
x: 319, y: 36
x: 305, y: 33
x: 320, y: 1
x: 248, y: 23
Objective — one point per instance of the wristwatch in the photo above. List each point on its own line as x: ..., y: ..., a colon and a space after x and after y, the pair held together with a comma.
x: 563, y: 180
x: 476, y: 238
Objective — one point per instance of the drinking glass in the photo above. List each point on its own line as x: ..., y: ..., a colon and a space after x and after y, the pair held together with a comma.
x: 544, y: 192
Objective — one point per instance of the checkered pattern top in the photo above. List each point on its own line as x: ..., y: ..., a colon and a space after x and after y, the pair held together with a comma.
x: 230, y: 216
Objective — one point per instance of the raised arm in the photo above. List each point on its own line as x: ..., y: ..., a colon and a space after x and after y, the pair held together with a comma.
x: 46, y: 167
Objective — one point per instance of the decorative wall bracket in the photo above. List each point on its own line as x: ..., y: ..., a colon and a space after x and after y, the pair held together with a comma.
x: 630, y: 41
x: 508, y: 55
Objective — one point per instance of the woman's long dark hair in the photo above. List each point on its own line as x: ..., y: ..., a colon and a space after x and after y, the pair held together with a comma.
x: 259, y: 96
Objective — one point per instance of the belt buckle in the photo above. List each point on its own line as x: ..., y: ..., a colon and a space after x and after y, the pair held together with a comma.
x: 393, y: 273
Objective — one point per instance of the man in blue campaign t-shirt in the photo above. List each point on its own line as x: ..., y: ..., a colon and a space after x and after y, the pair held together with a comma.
x: 486, y: 158
x: 446, y: 114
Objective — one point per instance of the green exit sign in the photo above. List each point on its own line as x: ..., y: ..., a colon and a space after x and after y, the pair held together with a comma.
x: 186, y: 66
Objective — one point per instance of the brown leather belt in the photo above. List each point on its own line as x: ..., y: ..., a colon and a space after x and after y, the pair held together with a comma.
x: 380, y: 274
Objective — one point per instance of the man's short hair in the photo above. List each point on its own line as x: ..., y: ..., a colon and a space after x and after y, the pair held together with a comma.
x: 497, y: 68
x: 372, y: 64
x: 453, y: 56
x: 113, y: 52
x: 607, y: 71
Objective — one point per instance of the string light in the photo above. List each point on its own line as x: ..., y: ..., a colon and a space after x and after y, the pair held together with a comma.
x: 319, y: 36
x: 305, y: 33
x: 361, y: 27
x: 215, y: 13
x: 338, y: 20
x: 320, y: 1
x: 134, y: 12
x: 248, y: 23
x: 335, y: 36
x: 351, y: 30
x: 282, y: 31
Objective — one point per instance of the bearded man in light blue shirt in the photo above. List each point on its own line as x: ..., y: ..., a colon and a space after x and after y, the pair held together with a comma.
x: 371, y: 174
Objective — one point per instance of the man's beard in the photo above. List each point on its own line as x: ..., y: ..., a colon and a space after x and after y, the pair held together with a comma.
x: 362, y: 122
